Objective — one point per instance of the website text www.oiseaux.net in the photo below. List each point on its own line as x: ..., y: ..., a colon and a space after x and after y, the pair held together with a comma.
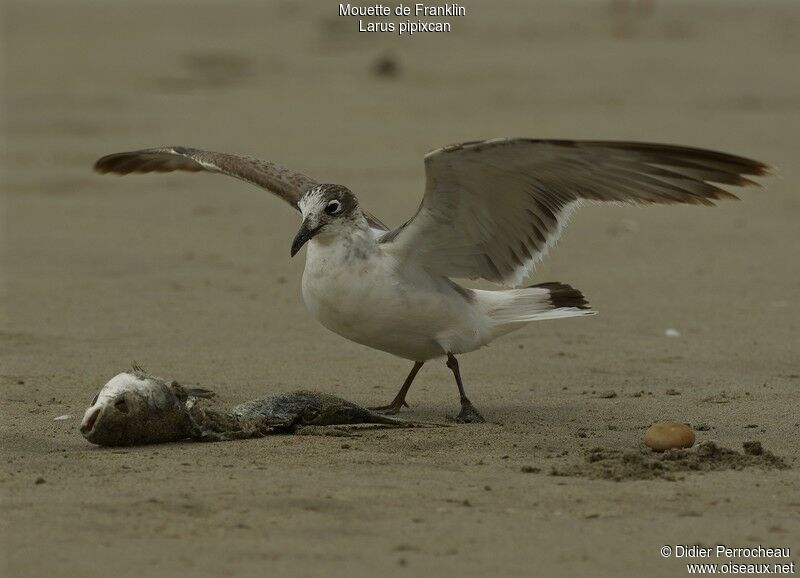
x: 736, y: 560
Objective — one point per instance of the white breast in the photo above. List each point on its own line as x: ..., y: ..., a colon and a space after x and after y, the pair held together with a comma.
x: 356, y: 290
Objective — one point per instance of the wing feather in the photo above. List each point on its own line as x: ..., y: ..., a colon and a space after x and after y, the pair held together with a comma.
x: 287, y: 184
x: 493, y: 208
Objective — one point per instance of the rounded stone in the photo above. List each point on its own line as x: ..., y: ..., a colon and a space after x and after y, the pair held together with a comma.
x: 667, y: 435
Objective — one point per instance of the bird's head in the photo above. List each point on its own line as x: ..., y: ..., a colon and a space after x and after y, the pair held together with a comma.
x: 327, y: 210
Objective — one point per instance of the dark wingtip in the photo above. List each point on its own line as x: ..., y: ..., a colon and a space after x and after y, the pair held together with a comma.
x: 755, y: 168
x: 145, y: 161
x: 101, y: 165
x: 114, y: 163
x: 768, y: 170
x: 563, y: 295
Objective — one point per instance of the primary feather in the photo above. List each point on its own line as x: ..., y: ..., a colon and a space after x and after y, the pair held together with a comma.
x: 493, y: 208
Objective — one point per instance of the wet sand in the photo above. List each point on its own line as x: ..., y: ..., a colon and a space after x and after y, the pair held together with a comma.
x: 190, y: 276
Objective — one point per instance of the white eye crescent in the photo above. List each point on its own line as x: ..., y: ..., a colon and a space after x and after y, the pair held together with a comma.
x: 333, y: 207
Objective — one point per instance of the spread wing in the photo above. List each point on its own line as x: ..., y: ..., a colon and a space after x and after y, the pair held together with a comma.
x: 493, y: 208
x: 288, y: 185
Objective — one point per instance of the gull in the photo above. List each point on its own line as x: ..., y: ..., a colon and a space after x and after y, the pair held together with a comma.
x: 491, y: 210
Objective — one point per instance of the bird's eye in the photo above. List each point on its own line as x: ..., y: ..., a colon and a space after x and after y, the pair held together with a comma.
x: 333, y: 207
x: 121, y: 405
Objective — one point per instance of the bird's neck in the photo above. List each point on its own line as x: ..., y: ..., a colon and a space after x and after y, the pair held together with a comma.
x: 355, y: 242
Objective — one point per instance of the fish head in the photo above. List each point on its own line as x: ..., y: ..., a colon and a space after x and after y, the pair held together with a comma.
x: 137, y: 408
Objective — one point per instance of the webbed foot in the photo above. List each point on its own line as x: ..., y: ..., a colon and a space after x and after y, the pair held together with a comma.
x: 469, y: 414
x: 391, y: 409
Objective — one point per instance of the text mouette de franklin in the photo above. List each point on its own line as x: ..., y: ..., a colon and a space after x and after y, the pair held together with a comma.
x: 407, y: 26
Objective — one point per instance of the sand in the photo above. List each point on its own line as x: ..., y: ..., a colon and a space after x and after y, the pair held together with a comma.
x: 190, y: 276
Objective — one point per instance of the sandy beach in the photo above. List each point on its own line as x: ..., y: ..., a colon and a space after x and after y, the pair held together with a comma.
x: 190, y: 276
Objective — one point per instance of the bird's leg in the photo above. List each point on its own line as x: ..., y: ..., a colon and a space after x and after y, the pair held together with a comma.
x: 400, y: 399
x: 468, y: 413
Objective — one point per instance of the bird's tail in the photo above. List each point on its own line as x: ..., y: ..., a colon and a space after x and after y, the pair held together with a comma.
x: 510, y: 309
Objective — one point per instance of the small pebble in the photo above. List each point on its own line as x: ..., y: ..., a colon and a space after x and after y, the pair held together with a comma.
x: 62, y: 417
x: 666, y: 435
x: 40, y: 480
x: 672, y: 333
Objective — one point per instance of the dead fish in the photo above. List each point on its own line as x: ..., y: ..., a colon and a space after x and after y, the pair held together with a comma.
x: 303, y: 408
x: 137, y: 408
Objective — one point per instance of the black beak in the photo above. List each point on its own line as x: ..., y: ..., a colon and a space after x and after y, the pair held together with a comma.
x: 303, y: 236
